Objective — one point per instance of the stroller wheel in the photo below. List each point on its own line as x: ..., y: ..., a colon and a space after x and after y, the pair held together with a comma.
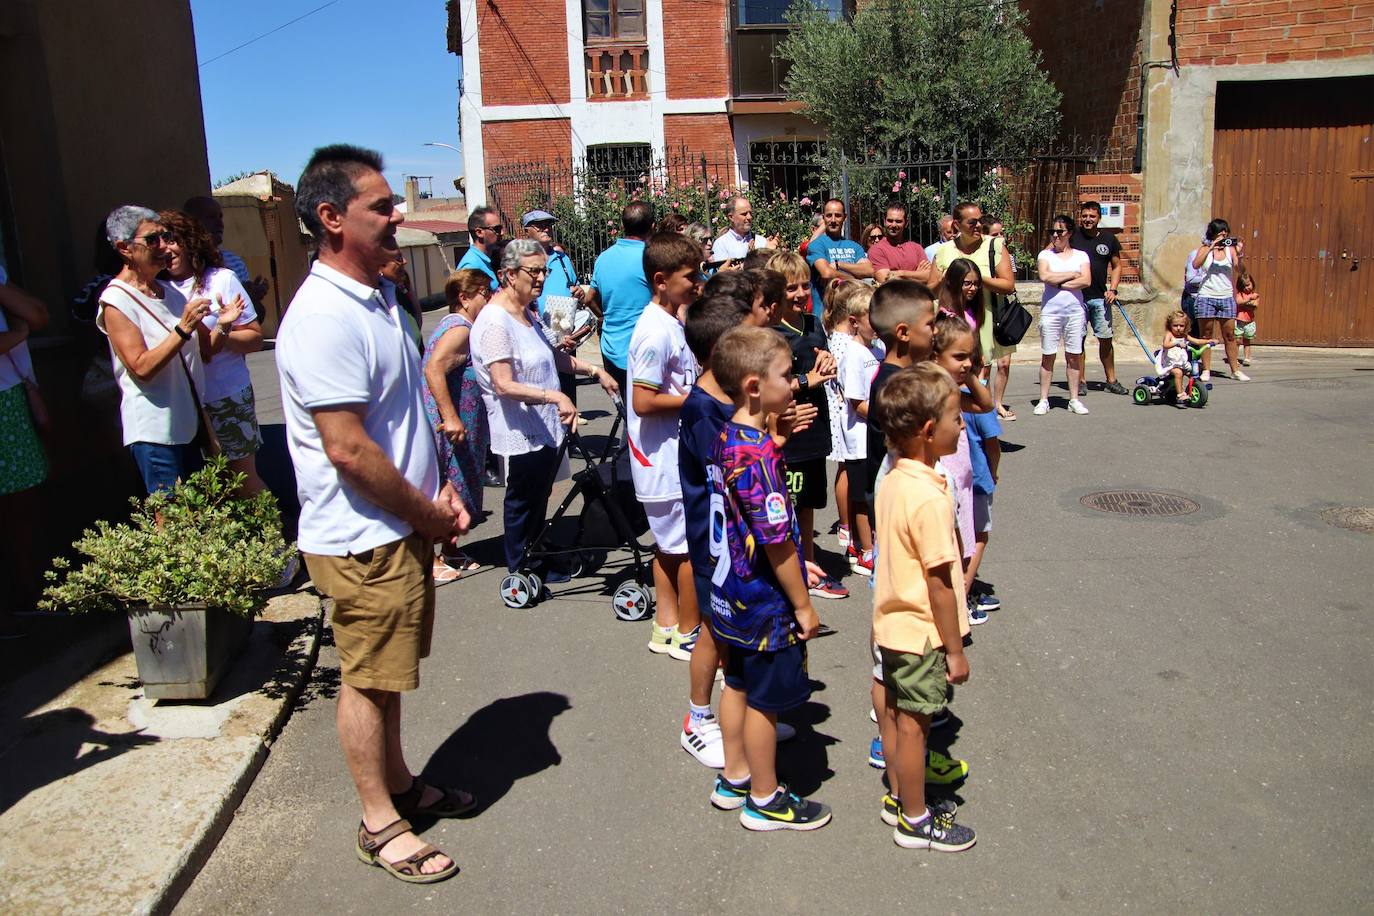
x: 632, y: 602
x: 520, y: 589
x: 1140, y: 394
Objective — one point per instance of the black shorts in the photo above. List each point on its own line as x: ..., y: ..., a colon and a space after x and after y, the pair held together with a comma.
x: 807, y: 484
x: 771, y: 681
x: 857, y: 469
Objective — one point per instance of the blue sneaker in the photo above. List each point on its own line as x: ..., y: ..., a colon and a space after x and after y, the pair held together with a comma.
x: 787, y: 811
x: 875, y: 754
x: 728, y: 797
x: 977, y: 615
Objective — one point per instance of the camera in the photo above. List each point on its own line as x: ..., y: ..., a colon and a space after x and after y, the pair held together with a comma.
x: 1228, y: 242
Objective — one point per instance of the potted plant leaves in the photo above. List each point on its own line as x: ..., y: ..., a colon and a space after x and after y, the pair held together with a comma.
x: 189, y: 568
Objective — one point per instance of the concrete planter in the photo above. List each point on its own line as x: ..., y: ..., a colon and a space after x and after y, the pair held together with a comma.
x: 182, y: 652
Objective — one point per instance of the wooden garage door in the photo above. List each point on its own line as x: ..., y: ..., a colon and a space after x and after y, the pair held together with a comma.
x: 1294, y: 175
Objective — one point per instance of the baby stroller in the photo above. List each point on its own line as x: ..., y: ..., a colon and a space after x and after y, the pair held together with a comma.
x: 1148, y: 388
x: 611, y: 518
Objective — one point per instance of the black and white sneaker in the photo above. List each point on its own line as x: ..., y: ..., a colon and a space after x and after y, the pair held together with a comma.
x: 935, y: 832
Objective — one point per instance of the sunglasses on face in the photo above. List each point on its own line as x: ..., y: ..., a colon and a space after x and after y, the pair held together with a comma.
x: 1059, y: 232
x: 972, y: 223
x: 876, y: 237
x: 535, y: 272
x: 497, y: 228
x: 153, y: 239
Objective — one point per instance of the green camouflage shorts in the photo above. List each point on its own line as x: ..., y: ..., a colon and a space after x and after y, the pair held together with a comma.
x: 235, y: 419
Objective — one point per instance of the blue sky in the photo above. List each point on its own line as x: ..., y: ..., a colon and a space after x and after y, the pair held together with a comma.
x: 378, y: 75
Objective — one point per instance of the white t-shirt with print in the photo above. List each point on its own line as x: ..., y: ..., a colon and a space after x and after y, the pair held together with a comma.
x: 856, y: 365
x: 343, y: 342
x: 227, y: 372
x: 516, y: 428
x: 659, y: 359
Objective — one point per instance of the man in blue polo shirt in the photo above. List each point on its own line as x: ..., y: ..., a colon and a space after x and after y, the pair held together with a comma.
x: 484, y: 229
x: 618, y: 278
x: 832, y: 256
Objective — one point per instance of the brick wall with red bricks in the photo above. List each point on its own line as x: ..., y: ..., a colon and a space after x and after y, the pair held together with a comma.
x: 524, y: 49
x: 506, y: 142
x: 1091, y: 53
x: 1125, y: 189
x: 1273, y: 31
x: 695, y: 47
x: 698, y: 133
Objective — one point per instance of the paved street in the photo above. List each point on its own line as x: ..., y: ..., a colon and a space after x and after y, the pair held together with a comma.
x: 1168, y: 714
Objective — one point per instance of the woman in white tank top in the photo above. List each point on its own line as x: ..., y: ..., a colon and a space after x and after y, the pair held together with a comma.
x: 1215, y: 303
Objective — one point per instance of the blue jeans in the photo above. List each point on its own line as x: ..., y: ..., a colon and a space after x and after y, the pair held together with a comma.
x: 163, y: 465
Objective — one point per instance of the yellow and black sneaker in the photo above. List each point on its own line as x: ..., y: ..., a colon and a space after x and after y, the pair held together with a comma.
x: 787, y: 811
x: 940, y: 807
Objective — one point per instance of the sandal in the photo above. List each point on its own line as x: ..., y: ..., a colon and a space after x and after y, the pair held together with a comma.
x: 408, y: 869
x: 453, y: 802
x: 461, y: 561
x: 1006, y: 413
x: 444, y: 574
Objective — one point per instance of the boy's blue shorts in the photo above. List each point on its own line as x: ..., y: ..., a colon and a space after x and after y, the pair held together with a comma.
x: 774, y: 681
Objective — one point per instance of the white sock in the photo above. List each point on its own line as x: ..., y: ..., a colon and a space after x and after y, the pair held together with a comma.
x: 765, y: 801
x: 699, y: 713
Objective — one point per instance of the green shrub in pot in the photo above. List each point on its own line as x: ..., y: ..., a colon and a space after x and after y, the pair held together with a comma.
x: 196, y: 544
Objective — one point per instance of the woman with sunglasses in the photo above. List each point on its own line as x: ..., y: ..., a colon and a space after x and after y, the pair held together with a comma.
x: 517, y: 372
x: 156, y: 340
x: 1065, y: 271
x: 872, y: 234
x: 195, y: 268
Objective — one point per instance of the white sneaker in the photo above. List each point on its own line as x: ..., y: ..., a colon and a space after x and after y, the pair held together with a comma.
x: 872, y: 714
x: 1206, y: 375
x: 1241, y: 377
x: 785, y: 732
x: 293, y: 569
x: 1041, y: 408
x: 703, y: 741
x: 1077, y: 406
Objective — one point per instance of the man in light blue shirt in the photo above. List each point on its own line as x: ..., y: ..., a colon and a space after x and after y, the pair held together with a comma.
x: 946, y: 233
x: 832, y: 256
x: 484, y: 230
x: 618, y: 279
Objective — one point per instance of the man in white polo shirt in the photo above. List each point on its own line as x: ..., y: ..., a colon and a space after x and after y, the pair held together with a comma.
x: 371, y: 503
x: 739, y: 239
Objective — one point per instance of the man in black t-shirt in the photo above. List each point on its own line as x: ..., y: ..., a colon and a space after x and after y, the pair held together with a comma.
x: 1104, y: 258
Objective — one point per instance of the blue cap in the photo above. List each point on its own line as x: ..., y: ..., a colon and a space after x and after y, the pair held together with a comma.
x: 537, y: 216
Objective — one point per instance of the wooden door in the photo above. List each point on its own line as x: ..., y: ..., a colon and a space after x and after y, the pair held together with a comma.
x: 1289, y: 161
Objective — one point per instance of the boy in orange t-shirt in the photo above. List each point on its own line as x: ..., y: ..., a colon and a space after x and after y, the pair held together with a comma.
x: 919, y: 615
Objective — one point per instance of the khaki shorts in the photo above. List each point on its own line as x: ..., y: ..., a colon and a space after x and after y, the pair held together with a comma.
x: 917, y: 681
x: 383, y: 611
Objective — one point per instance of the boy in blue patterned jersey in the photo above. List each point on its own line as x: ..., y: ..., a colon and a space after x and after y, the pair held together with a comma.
x: 760, y: 607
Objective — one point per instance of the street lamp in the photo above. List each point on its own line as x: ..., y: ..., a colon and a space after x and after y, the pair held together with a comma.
x: 459, y: 184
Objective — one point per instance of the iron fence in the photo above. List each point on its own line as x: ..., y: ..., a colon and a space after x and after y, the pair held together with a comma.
x: 1024, y: 193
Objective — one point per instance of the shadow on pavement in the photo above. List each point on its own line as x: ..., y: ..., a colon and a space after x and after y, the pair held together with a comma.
x: 51, y: 744
x: 500, y: 743
x: 804, y: 763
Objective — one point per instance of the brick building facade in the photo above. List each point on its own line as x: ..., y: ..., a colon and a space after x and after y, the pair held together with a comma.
x: 545, y: 82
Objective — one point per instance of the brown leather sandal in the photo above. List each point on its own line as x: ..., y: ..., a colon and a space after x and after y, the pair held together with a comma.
x: 371, y: 842
x: 453, y: 802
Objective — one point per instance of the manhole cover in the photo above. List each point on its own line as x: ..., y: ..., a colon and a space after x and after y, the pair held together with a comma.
x: 1321, y: 384
x: 1354, y: 518
x: 1139, y: 502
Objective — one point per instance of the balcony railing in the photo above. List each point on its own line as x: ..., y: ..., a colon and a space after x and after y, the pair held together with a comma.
x: 617, y: 72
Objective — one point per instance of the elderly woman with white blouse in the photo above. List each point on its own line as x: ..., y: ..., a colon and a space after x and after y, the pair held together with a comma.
x: 156, y: 340
x: 517, y: 373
